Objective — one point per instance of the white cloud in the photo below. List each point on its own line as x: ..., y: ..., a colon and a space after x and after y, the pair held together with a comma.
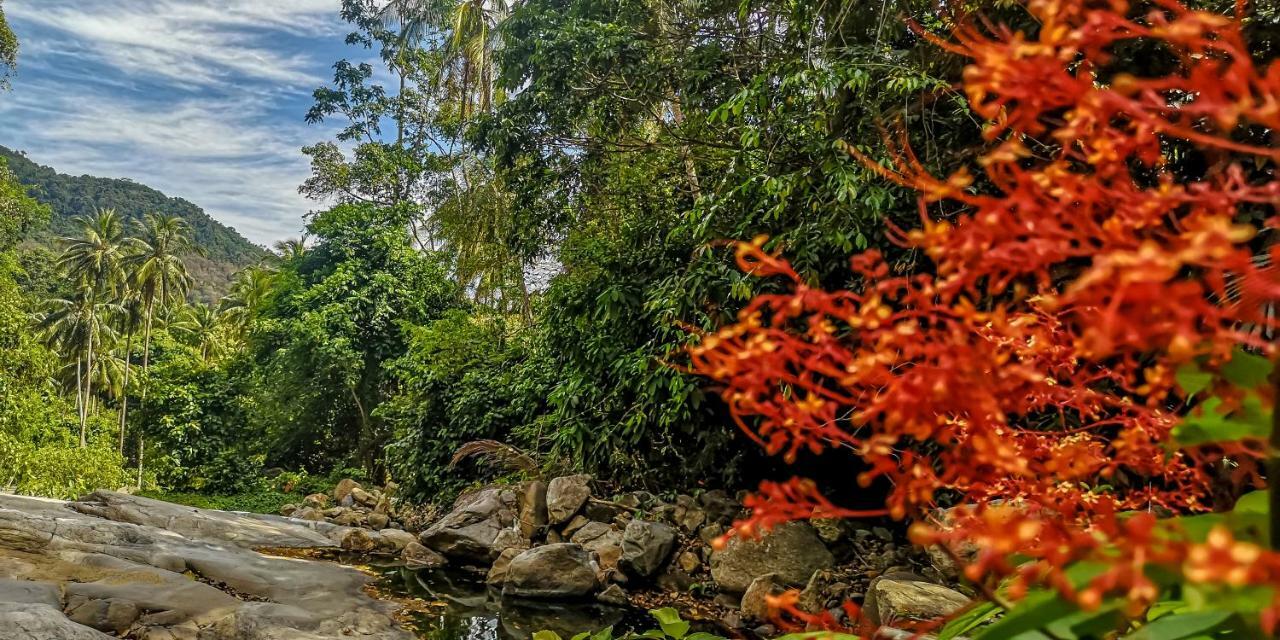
x: 195, y: 42
x: 201, y: 99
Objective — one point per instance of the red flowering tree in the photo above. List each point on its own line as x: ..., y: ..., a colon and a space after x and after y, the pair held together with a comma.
x: 1083, y: 354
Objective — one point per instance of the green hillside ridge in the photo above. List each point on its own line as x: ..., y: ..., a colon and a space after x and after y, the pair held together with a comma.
x: 225, y: 250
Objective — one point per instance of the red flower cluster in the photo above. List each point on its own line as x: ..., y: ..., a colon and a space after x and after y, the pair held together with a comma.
x: 1033, y: 372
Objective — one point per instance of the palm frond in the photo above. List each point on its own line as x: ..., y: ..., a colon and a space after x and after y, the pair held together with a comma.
x: 497, y: 453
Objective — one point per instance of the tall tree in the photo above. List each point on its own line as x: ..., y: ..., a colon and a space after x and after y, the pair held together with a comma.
x: 95, y: 260
x: 8, y: 49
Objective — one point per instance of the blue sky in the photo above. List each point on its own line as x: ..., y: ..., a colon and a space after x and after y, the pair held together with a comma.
x: 201, y: 99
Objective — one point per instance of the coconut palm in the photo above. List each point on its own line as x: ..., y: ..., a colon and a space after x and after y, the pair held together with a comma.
x: 200, y: 326
x: 130, y: 318
x: 473, y: 41
x: 74, y: 326
x: 291, y: 249
x: 248, y: 291
x: 94, y: 259
x: 156, y: 270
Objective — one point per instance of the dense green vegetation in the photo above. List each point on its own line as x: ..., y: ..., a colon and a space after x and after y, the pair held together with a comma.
x: 222, y: 250
x: 617, y: 144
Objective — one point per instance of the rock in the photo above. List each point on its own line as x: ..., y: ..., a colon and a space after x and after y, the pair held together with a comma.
x: 309, y: 513
x: 708, y: 533
x: 688, y: 515
x: 333, y: 512
x: 602, y: 540
x: 470, y: 530
x: 719, y: 506
x: 732, y: 619
x: 509, y: 539
x: 358, y: 540
x: 828, y: 529
x: 398, y: 540
x: 316, y: 501
x: 498, y: 572
x: 113, y: 616
x: 891, y: 600
x: 754, y: 602
x: 673, y: 578
x: 363, y: 498
x: 288, y: 509
x: 24, y: 621
x: 112, y: 564
x: 342, y: 492
x: 813, y: 599
x: 347, y: 518
x: 689, y: 562
x: 601, y: 511
x: 792, y: 550
x: 377, y: 521
x: 614, y: 595
x: 416, y: 556
x: 628, y: 500
x: 565, y: 496
x: 645, y: 547
x: 577, y: 522
x: 551, y: 571
x: 533, y: 508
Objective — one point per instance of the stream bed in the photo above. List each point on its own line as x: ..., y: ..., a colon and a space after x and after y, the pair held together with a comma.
x: 458, y: 606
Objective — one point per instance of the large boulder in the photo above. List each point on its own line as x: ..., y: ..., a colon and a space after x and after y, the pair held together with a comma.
x: 646, y: 547
x: 25, y: 621
x: 792, y: 550
x: 554, y: 571
x: 891, y: 599
x: 565, y: 496
x: 471, y: 529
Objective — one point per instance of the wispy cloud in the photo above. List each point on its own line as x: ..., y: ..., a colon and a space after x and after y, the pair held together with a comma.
x: 202, y: 99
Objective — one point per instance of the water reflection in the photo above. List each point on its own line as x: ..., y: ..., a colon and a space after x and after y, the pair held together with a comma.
x: 475, y: 612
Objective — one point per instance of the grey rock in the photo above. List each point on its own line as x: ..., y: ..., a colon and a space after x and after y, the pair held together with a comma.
x: 646, y: 547
x: 891, y: 600
x: 26, y: 621
x: 113, y: 615
x: 416, y: 556
x: 602, y: 540
x: 498, y: 572
x: 398, y: 540
x: 552, y: 571
x: 377, y: 521
x: 754, y: 604
x: 565, y: 496
x: 316, y: 501
x: 575, y: 523
x: 792, y: 550
x: 470, y: 530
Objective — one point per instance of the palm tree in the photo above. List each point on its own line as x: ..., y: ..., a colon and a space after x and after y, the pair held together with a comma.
x: 156, y: 270
x: 201, y: 326
x: 131, y: 317
x: 248, y: 291
x: 291, y: 249
x: 73, y: 326
x: 95, y: 261
x: 469, y: 52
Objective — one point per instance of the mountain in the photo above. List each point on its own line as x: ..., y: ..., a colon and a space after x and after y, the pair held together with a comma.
x: 226, y: 251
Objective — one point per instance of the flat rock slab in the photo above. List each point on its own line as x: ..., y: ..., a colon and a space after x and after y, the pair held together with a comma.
x: 186, y: 570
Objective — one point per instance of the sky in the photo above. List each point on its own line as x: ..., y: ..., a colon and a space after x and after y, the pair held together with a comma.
x: 201, y: 99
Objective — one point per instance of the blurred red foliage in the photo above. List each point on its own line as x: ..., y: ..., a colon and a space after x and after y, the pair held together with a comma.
x: 1032, y: 373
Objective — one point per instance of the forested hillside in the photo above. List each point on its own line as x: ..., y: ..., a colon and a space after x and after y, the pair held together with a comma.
x: 223, y: 250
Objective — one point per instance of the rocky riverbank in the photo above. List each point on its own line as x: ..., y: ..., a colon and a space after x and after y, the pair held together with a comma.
x: 565, y: 540
x: 138, y: 568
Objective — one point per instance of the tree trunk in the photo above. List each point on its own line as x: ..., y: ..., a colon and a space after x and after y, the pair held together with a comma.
x: 1273, y: 468
x: 88, y: 379
x: 124, y: 394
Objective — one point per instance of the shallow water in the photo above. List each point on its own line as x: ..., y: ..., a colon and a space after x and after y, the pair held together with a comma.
x: 461, y: 607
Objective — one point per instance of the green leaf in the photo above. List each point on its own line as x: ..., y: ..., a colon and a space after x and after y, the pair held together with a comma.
x: 669, y: 620
x: 1035, y: 612
x: 546, y: 635
x: 1192, y: 379
x: 967, y: 621
x: 1247, y: 370
x: 1208, y: 424
x: 1180, y: 626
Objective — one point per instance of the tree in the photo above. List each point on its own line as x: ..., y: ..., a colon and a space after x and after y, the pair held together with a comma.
x: 159, y: 275
x: 95, y: 261
x: 1075, y: 362
x: 8, y: 50
x: 202, y: 327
